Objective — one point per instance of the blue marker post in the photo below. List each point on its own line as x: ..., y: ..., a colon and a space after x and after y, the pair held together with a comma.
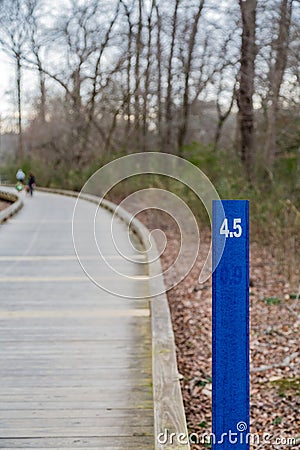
x: 230, y: 364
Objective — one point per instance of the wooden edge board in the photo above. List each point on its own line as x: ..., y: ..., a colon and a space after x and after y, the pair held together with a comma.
x: 13, y: 208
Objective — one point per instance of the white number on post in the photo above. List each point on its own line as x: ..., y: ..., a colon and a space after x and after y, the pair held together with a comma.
x: 224, y: 228
x: 237, y: 227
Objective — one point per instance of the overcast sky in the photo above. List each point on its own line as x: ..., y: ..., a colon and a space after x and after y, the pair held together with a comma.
x: 6, y: 78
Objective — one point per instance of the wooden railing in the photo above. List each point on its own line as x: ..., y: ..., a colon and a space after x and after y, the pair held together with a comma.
x: 16, y: 204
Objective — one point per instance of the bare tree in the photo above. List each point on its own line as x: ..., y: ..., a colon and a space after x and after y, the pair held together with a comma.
x: 82, y: 77
x: 98, y: 85
x: 13, y: 41
x: 187, y: 74
x: 147, y: 73
x: 226, y: 75
x: 276, y: 73
x: 159, y: 73
x: 138, y: 54
x: 129, y: 54
x: 36, y: 46
x: 246, y: 81
x: 167, y: 145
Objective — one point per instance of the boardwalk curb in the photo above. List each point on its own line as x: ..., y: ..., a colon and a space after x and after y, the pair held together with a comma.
x: 13, y: 208
x: 169, y: 414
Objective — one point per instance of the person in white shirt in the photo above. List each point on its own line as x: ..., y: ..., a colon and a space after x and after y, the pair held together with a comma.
x: 20, y: 175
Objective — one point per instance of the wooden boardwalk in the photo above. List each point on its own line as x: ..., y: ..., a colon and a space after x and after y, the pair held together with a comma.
x: 75, y: 361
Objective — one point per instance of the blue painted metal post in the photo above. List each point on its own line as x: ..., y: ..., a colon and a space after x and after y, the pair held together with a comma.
x: 230, y: 400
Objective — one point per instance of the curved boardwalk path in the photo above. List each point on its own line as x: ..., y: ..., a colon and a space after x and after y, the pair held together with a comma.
x: 75, y: 361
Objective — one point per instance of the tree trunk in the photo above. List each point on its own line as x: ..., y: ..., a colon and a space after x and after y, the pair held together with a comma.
x: 138, y: 51
x: 159, y: 76
x: 169, y: 112
x: 96, y: 71
x: 42, y: 92
x: 276, y: 78
x: 246, y: 91
x: 128, y: 94
x: 188, y: 68
x: 19, y: 102
x: 127, y: 102
x: 147, y: 78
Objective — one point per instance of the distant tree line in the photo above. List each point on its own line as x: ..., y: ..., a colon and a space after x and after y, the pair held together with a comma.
x: 115, y: 76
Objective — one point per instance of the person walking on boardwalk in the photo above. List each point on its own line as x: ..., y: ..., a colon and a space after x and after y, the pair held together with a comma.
x: 20, y: 176
x: 31, y: 183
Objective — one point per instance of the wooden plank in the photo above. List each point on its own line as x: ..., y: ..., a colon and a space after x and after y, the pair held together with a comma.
x: 58, y: 334
x: 119, y: 403
x: 77, y: 383
x: 74, y: 373
x: 75, y: 430
x: 67, y: 422
x: 69, y: 323
x: 116, y: 443
x: 81, y: 314
x: 105, y: 416
x: 57, y: 347
x: 68, y: 394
